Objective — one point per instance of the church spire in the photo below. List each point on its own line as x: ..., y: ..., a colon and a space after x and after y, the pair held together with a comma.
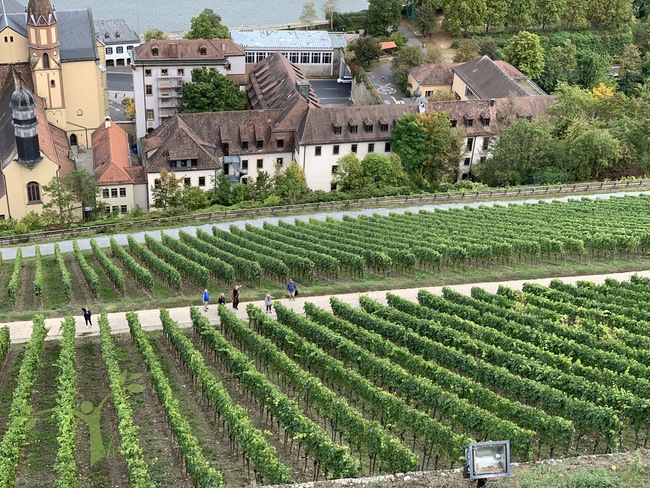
x: 40, y: 12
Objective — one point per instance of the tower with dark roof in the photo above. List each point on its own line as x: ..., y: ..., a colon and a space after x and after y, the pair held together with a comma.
x: 23, y: 108
x: 44, y: 52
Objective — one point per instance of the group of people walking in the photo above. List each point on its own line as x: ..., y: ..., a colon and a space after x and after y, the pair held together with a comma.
x: 292, y: 290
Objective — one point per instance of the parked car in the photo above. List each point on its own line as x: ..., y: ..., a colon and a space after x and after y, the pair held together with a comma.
x: 344, y: 79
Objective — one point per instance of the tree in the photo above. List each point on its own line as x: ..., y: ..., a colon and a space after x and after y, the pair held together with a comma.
x: 428, y: 146
x: 167, y: 191
x: 207, y: 26
x: 526, y: 54
x: 591, y: 152
x: 522, y: 150
x: 461, y: 16
x: 518, y: 13
x: 375, y: 171
x: 433, y: 54
x: 349, y: 174
x: 548, y: 12
x: 405, y: 58
x: 71, y: 192
x: 152, y: 34
x: 366, y: 50
x: 330, y: 8
x: 222, y: 191
x: 560, y: 65
x: 488, y: 48
x: 290, y: 183
x: 575, y: 14
x: 308, y: 15
x: 210, y: 91
x: 573, y: 104
x: 495, y: 12
x: 631, y: 62
x: 129, y: 108
x: 425, y: 18
x: 609, y: 13
x: 194, y: 198
x: 382, y: 16
x: 592, y: 68
x: 468, y: 50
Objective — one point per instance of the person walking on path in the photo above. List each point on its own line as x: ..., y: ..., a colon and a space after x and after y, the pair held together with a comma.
x: 291, y: 288
x: 222, y: 299
x: 206, y: 299
x: 87, y: 315
x: 235, y: 297
x: 268, y: 300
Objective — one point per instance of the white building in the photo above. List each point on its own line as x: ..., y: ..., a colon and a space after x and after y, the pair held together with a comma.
x: 160, y: 67
x: 316, y: 53
x: 119, y: 40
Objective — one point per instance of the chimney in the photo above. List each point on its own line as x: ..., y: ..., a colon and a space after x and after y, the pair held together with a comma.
x: 303, y: 86
x: 107, y: 122
x: 491, y: 102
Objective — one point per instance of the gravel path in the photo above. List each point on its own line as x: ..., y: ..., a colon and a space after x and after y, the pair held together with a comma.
x: 104, y: 241
x: 150, y: 320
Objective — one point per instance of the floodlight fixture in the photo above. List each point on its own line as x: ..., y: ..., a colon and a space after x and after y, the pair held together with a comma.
x: 487, y: 460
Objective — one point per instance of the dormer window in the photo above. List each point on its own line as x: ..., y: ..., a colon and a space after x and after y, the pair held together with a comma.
x: 453, y: 123
x: 203, y: 51
x: 280, y: 143
x: 154, y: 51
x: 117, y: 35
x: 383, y: 127
x: 260, y: 144
x: 368, y: 128
x: 244, y: 145
x: 337, y: 129
x: 469, y: 122
x: 354, y: 128
x: 486, y: 122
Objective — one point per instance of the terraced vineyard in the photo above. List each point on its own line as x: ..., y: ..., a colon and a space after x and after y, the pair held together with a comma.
x: 558, y: 370
x: 322, y: 252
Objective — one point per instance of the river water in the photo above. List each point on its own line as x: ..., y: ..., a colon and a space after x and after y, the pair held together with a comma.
x: 175, y: 15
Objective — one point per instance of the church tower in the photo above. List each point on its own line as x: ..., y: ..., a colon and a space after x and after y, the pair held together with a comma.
x: 44, y: 53
x: 25, y: 122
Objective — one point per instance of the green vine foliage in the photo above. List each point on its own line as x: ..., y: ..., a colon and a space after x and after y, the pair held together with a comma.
x: 14, y: 282
x: 66, y: 281
x: 113, y: 272
x: 38, y: 276
x: 140, y: 273
x: 86, y: 269
x: 166, y: 271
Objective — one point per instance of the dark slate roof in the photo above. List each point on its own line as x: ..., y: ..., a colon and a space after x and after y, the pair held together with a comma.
x: 484, y: 77
x: 11, y: 7
x: 15, y: 22
x: 7, y: 139
x: 77, y: 35
x: 115, y: 31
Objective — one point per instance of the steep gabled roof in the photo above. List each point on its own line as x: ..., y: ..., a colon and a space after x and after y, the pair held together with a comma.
x: 112, y: 157
x: 187, y: 50
x: 484, y: 77
x: 434, y: 74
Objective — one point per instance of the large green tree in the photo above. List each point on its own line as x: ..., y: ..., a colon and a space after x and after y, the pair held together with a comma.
x: 167, y: 191
x: 290, y: 183
x: 366, y: 50
x: 424, y: 18
x: 525, y: 52
x: 207, y: 26
x: 428, y: 146
x: 330, y: 9
x: 382, y: 16
x: 609, y: 13
x: 210, y: 91
x: 560, y: 65
x: 404, y: 59
x: 519, y: 13
x: 70, y: 193
x: 593, y: 67
x: 591, y: 152
x: 495, y: 14
x: 462, y: 16
x: 374, y: 171
x: 152, y: 34
x: 548, y: 13
x: 468, y: 50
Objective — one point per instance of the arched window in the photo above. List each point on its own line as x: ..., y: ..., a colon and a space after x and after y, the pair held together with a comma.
x: 33, y: 192
x: 203, y: 51
x: 73, y: 139
x: 46, y: 61
x: 154, y: 51
x: 52, y: 84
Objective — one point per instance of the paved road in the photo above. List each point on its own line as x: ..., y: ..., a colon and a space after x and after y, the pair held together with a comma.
x: 104, y: 241
x: 150, y: 320
x: 330, y: 93
x: 119, y: 80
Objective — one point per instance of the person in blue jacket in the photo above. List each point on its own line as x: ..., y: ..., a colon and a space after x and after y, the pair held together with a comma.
x: 206, y: 299
x: 291, y: 288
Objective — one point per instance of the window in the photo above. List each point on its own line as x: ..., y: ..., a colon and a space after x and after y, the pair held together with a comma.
x: 201, y: 180
x: 203, y: 51
x: 466, y: 162
x: 428, y: 93
x: 335, y: 168
x: 187, y: 181
x: 46, y: 61
x: 280, y: 143
x: 52, y: 83
x: 486, y: 143
x: 244, y: 145
x: 154, y: 51
x: 260, y: 144
x: 107, y: 209
x: 250, y: 58
x: 180, y: 72
x: 109, y: 50
x: 470, y: 143
x: 317, y: 150
x: 164, y: 72
x: 156, y: 183
x: 293, y: 57
x: 315, y: 58
x: 113, y: 192
x: 149, y: 114
x: 486, y: 122
x: 371, y: 147
x: 105, y: 193
x: 369, y: 128
x: 332, y: 186
x: 453, y: 123
x: 304, y: 58
x: 468, y: 92
x: 119, y: 49
x: 354, y: 129
x: 115, y: 208
x: 123, y: 209
x: 33, y: 192
x: 147, y: 72
x: 383, y: 127
x: 244, y: 164
x: 326, y: 58
x: 353, y: 148
x: 482, y: 159
x: 335, y: 149
x: 279, y: 161
x: 225, y: 147
x: 129, y: 48
x: 226, y: 168
x: 469, y: 123
x: 260, y: 56
x: 260, y: 164
x: 148, y: 89
x: 337, y: 130
x: 387, y: 147
x: 122, y: 192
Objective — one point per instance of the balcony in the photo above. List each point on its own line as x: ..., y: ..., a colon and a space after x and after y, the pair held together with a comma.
x: 170, y: 82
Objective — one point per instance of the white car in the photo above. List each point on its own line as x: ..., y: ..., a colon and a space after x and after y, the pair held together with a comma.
x: 344, y: 79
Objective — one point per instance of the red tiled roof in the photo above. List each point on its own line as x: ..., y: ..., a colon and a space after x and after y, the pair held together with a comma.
x: 186, y: 49
x: 434, y: 74
x: 112, y: 157
x: 387, y: 45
